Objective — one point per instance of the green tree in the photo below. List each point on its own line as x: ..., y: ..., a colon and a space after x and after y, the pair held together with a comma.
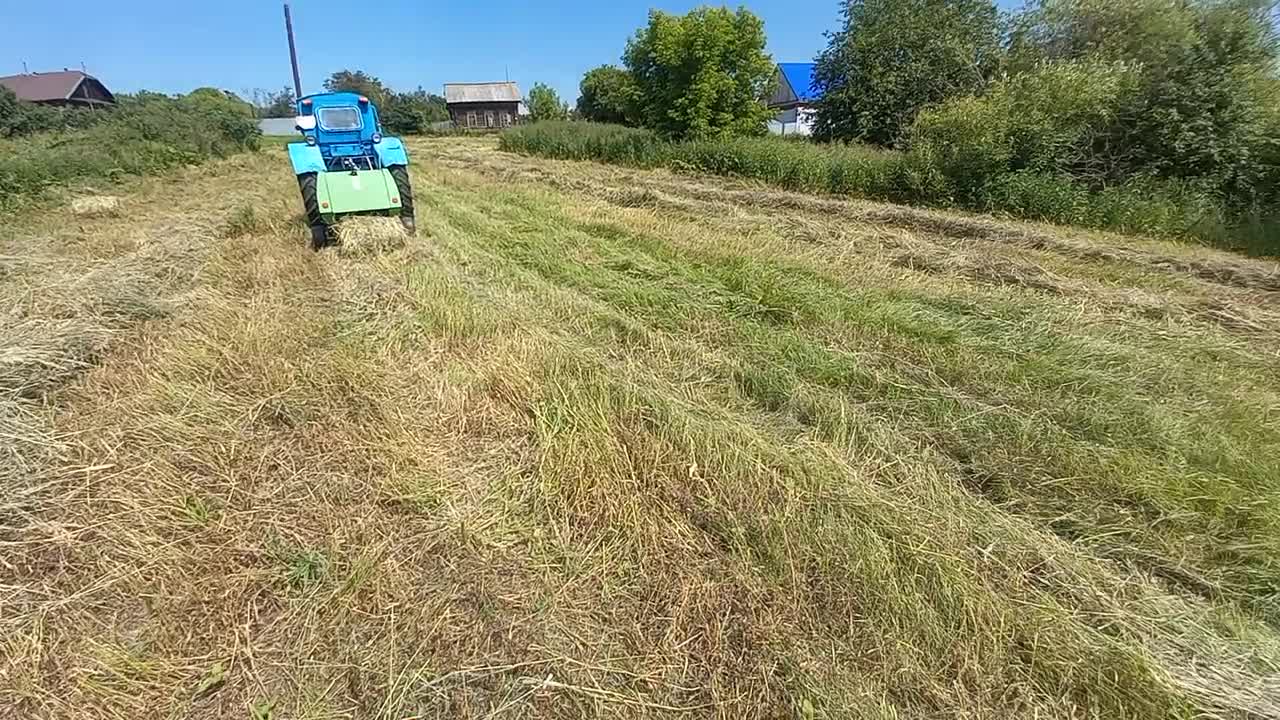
x: 545, y: 104
x: 892, y: 58
x: 1046, y: 120
x: 278, y: 104
x: 358, y: 81
x: 700, y: 75
x: 607, y: 95
x: 413, y: 112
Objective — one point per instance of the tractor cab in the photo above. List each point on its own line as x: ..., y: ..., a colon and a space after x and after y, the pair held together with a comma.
x: 344, y: 126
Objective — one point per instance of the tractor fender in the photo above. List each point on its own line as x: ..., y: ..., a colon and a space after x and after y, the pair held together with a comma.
x: 391, y: 152
x: 306, y: 158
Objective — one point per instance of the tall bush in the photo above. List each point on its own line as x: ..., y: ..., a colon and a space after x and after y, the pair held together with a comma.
x: 18, y: 118
x: 607, y: 94
x: 1048, y: 119
x: 893, y: 58
x: 701, y: 75
x: 412, y: 112
x: 1203, y: 106
x: 146, y: 134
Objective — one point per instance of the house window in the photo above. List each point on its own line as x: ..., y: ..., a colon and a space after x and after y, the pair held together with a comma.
x: 471, y: 119
x: 506, y: 119
x: 488, y: 119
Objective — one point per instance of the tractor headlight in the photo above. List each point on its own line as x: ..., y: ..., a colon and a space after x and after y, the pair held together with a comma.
x: 377, y: 138
x: 311, y: 139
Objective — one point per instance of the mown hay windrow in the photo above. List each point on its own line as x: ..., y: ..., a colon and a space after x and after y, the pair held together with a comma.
x: 96, y: 206
x: 370, y: 235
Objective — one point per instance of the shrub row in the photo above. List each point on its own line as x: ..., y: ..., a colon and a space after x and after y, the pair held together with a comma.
x: 137, y: 139
x: 923, y: 175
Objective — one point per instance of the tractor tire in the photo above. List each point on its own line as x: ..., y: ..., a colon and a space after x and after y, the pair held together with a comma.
x: 400, y: 174
x: 311, y: 203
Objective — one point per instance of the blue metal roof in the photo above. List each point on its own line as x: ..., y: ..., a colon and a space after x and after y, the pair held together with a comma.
x: 800, y: 77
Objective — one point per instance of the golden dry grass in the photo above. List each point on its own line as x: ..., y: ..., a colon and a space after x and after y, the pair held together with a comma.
x: 629, y: 444
x: 370, y: 234
x: 95, y: 205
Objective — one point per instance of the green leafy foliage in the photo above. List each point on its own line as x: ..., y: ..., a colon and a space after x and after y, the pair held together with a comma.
x: 147, y: 133
x: 18, y: 118
x: 359, y: 81
x: 1204, y: 104
x: 1046, y: 120
x: 893, y: 58
x: 412, y: 112
x: 1176, y: 100
x: 408, y: 112
x: 701, y: 75
x: 278, y: 104
x: 214, y: 101
x: 545, y: 104
x: 607, y: 94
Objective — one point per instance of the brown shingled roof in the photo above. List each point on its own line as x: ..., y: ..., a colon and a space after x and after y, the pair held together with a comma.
x: 39, y: 87
x: 455, y: 93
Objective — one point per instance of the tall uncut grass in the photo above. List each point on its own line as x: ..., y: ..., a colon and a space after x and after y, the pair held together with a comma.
x: 1150, y: 207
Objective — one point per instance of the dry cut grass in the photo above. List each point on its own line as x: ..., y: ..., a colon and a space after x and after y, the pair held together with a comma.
x: 370, y: 235
x: 612, y: 443
x: 95, y: 205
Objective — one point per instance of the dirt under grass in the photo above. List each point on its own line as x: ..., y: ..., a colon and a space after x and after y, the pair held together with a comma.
x: 612, y: 443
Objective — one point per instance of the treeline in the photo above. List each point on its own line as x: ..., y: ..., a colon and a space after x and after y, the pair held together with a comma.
x: 1046, y: 113
x: 1179, y: 95
x: 400, y: 112
x: 19, y: 118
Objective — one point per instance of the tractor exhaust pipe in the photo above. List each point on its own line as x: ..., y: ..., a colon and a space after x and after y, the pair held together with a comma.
x: 293, y: 52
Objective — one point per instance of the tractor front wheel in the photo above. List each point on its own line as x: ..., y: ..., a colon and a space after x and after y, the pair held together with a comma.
x: 311, y: 203
x: 400, y: 174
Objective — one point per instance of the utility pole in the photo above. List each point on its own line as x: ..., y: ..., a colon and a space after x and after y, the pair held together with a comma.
x: 293, y: 52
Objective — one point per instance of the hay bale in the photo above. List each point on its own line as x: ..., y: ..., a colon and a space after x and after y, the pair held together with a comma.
x: 96, y: 206
x: 368, y: 235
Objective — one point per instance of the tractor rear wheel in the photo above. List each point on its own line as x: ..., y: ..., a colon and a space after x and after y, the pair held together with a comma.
x: 311, y: 203
x: 400, y: 174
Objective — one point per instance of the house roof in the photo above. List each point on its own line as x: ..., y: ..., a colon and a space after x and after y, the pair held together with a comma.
x: 800, y: 77
x: 481, y: 92
x: 41, y: 87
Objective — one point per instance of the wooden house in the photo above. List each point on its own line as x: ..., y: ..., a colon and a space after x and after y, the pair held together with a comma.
x: 483, y: 106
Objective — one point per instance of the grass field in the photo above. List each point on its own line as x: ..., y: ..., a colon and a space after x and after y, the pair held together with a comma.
x: 620, y: 443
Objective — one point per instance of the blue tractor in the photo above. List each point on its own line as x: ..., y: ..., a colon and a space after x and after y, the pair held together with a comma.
x: 346, y: 166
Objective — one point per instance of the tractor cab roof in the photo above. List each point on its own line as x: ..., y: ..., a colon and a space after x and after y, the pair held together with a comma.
x: 332, y: 99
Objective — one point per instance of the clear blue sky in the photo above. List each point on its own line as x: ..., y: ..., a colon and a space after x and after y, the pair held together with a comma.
x: 239, y: 45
